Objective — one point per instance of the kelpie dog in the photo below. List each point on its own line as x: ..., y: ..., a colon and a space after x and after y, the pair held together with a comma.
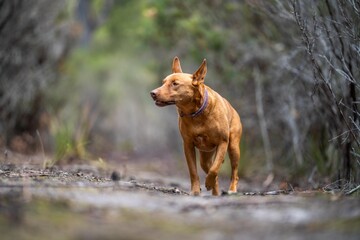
x: 207, y: 122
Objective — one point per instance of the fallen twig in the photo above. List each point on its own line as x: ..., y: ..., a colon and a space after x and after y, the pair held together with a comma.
x: 352, y: 190
x: 267, y: 193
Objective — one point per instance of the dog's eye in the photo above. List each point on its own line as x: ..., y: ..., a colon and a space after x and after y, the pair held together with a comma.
x: 174, y: 84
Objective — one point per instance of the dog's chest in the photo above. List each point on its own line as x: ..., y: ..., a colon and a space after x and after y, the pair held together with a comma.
x: 203, y: 143
x: 203, y: 136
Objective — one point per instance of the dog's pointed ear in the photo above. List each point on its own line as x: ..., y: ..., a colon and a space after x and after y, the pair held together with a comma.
x: 176, y: 67
x: 199, y: 75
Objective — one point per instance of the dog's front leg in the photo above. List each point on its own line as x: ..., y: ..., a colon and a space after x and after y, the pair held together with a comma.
x: 211, y: 181
x: 190, y: 155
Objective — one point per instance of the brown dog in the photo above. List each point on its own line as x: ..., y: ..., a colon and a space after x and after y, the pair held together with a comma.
x: 207, y: 122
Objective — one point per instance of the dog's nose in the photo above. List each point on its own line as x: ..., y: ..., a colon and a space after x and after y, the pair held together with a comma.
x: 153, y: 94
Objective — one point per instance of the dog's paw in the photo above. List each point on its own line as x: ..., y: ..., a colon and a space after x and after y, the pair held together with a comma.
x: 233, y: 186
x: 210, y: 181
x: 195, y: 193
x: 195, y: 190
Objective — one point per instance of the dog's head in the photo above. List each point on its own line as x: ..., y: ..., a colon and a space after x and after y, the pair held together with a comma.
x: 179, y: 88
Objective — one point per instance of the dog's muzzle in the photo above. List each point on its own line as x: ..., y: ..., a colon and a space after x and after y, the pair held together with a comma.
x: 153, y: 95
x: 159, y: 103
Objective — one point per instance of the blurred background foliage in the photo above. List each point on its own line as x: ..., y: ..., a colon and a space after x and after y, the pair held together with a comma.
x: 79, y: 74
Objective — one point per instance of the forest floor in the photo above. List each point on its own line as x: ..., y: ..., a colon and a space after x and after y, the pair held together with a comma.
x: 147, y: 200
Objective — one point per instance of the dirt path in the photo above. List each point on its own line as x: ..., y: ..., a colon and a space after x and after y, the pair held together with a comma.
x: 83, y: 202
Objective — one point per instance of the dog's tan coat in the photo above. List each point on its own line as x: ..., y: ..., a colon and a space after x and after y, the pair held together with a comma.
x: 213, y: 131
